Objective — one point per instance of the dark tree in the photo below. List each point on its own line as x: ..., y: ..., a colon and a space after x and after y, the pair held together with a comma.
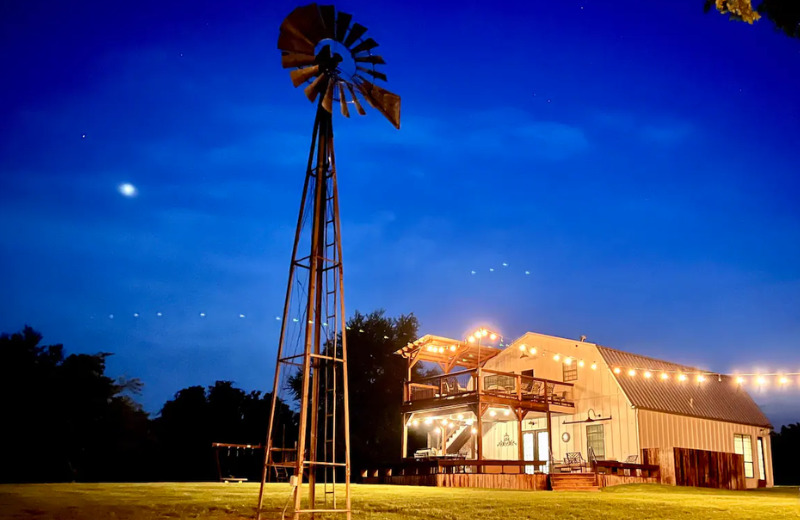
x: 784, y: 14
x: 63, y: 418
x: 786, y: 455
x: 197, y: 417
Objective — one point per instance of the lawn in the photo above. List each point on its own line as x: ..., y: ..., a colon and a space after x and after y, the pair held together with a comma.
x: 237, y: 501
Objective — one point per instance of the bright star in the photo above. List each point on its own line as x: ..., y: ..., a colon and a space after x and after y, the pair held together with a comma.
x: 127, y: 189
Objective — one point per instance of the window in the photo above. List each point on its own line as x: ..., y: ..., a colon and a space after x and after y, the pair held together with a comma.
x: 743, y: 445
x: 570, y: 372
x: 595, y: 441
x: 762, y: 471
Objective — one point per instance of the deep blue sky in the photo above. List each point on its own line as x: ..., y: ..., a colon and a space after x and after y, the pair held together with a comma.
x: 639, y: 160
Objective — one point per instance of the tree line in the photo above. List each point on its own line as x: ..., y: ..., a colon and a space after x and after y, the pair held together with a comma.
x: 65, y: 419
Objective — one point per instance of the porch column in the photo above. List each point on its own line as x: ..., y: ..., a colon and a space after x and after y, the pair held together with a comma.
x: 549, y: 434
x: 405, y: 436
x: 479, y: 416
x: 520, y: 417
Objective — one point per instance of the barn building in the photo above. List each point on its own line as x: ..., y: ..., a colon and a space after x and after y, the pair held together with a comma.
x: 545, y: 411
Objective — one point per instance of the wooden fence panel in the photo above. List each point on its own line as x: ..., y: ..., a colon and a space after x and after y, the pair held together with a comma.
x: 713, y: 469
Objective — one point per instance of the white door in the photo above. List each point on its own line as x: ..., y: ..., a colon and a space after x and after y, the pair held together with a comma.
x: 528, y: 451
x: 544, y: 449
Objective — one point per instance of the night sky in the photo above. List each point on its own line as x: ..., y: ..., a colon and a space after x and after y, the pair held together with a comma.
x: 627, y: 171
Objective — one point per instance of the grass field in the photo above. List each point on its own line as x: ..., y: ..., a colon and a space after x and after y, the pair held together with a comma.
x: 217, y: 501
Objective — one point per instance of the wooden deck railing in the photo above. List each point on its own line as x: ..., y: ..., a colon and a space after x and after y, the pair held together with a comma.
x: 489, y: 382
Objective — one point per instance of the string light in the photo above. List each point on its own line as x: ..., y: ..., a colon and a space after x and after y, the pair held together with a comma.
x: 664, y: 376
x: 580, y: 363
x: 631, y: 372
x: 474, y: 431
x: 681, y: 377
x: 648, y: 374
x: 568, y: 361
x: 557, y: 357
x: 594, y: 366
x: 617, y: 370
x: 492, y: 413
x: 701, y: 378
x: 783, y: 380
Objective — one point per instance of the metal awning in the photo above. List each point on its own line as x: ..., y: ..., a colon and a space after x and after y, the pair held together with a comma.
x: 447, y: 353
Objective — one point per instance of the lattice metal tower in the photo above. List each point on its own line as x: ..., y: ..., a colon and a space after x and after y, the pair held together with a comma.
x: 330, y: 55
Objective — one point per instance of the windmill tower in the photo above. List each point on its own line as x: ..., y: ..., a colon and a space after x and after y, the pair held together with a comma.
x: 330, y: 55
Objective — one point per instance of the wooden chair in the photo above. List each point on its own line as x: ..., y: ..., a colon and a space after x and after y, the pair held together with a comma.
x: 575, y: 461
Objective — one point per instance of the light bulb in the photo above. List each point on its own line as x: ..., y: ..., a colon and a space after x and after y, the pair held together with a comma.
x: 492, y: 413
x: 617, y: 370
x: 761, y: 381
x: 701, y: 378
x: 506, y: 412
x: 471, y: 339
x: 664, y: 375
x: 783, y: 380
x: 568, y: 361
x: 557, y: 357
x: 474, y: 431
x: 532, y: 350
x: 740, y: 380
x: 523, y: 348
x: 452, y: 348
x: 631, y: 372
x: 492, y: 336
x: 681, y: 377
x: 580, y: 363
x: 594, y: 366
x: 648, y: 375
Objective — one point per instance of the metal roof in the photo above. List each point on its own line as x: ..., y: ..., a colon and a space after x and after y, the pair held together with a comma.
x: 718, y: 397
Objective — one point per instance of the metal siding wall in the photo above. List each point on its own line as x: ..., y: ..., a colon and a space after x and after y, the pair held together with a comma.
x: 661, y: 430
x: 594, y: 389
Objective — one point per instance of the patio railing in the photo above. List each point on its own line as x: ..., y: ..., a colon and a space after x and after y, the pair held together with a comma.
x: 489, y: 382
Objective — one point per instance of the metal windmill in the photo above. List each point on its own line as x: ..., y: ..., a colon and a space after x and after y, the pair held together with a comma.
x: 332, y: 57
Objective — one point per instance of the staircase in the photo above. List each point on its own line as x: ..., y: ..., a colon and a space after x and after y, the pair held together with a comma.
x: 458, y: 438
x: 574, y: 482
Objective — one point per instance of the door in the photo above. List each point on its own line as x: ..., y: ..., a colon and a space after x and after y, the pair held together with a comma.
x: 543, y: 449
x: 528, y: 451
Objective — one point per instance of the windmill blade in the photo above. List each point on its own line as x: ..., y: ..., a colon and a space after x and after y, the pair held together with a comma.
x: 342, y: 23
x: 374, y: 73
x: 356, y: 31
x: 300, y: 76
x: 304, y: 23
x: 313, y: 88
x: 387, y: 103
x: 373, y: 58
x: 296, y: 59
x: 343, y: 101
x: 327, y: 100
x: 328, y: 13
x: 364, y: 46
x: 290, y: 41
x: 356, y: 102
